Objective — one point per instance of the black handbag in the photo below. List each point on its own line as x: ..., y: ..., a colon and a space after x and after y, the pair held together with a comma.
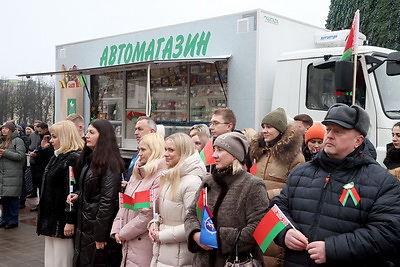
x: 249, y: 262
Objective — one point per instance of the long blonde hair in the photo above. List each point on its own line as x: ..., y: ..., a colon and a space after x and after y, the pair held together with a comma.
x: 185, y: 148
x: 156, y: 144
x: 70, y: 140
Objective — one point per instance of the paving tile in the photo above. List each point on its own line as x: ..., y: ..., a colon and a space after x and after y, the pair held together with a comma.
x: 21, y: 246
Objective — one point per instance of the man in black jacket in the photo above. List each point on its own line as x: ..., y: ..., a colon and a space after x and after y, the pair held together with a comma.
x: 344, y: 205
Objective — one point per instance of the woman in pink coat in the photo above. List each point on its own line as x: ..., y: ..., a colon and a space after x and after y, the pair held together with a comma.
x: 130, y: 226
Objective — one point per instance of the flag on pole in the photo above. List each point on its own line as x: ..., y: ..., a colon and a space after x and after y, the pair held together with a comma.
x: 351, y: 47
x: 269, y: 227
x: 207, y: 152
x: 71, y: 175
x: 126, y: 201
x: 142, y: 200
x: 208, y: 232
x: 202, y: 204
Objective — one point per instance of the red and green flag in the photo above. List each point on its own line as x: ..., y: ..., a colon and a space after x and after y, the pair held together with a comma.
x: 140, y: 200
x: 202, y: 203
x: 207, y: 152
x: 269, y: 227
x: 126, y: 201
x: 71, y: 175
x: 134, y: 115
x: 351, y: 47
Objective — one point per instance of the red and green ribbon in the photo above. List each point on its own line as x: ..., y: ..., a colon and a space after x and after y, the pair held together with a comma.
x: 349, y: 190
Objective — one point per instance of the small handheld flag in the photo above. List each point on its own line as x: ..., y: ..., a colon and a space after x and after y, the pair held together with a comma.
x: 141, y: 200
x: 71, y: 175
x: 270, y: 226
x: 206, y: 154
x: 208, y: 232
x: 253, y: 169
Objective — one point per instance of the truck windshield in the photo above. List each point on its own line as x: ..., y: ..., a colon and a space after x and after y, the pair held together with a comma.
x: 389, y: 91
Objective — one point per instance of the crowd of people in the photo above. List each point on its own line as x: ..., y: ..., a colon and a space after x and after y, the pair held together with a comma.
x: 343, y: 207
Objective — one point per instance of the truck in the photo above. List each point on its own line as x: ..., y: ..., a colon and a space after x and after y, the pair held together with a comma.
x: 251, y: 62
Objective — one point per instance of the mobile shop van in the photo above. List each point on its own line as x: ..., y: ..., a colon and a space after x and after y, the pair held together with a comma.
x: 178, y: 74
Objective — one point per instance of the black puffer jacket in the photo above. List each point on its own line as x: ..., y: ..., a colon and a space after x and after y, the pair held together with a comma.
x: 367, y: 234
x: 54, y: 213
x: 97, y: 207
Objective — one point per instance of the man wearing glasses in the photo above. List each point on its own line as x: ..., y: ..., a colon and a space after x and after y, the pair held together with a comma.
x: 222, y: 121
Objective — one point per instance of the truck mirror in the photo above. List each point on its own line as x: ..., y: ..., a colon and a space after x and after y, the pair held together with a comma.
x: 327, y: 62
x: 344, y: 75
x: 393, y: 64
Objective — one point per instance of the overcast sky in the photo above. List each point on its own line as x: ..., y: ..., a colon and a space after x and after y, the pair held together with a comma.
x: 31, y: 29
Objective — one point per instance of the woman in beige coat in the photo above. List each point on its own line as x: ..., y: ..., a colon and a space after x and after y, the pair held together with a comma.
x: 130, y: 226
x: 277, y: 150
x: 178, y: 186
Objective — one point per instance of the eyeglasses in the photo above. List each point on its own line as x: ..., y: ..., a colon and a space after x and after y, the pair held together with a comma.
x: 215, y: 123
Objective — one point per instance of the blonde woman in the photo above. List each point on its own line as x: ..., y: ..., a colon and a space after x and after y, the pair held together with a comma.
x: 55, y: 220
x: 130, y: 227
x: 237, y: 200
x: 178, y: 186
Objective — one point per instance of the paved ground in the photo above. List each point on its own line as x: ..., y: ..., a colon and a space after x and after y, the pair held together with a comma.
x: 21, y: 246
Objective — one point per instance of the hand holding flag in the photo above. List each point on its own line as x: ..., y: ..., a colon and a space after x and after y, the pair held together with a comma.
x: 270, y: 226
x: 208, y: 232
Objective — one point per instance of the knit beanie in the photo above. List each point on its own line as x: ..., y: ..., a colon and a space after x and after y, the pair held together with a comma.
x: 317, y: 131
x: 276, y: 119
x: 235, y: 143
x: 10, y: 125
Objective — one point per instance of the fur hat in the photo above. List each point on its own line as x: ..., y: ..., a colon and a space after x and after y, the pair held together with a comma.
x: 235, y: 143
x: 277, y: 119
x: 353, y: 117
x: 10, y: 125
x: 317, y: 131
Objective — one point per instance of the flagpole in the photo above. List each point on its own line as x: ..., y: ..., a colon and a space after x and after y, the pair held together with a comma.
x: 71, y: 187
x: 356, y: 26
x: 155, y: 214
x: 353, y: 100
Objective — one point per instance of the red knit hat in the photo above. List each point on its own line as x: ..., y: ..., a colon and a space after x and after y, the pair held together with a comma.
x: 317, y: 131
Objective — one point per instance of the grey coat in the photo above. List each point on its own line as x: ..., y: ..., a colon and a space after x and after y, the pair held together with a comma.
x: 243, y: 206
x: 11, y: 165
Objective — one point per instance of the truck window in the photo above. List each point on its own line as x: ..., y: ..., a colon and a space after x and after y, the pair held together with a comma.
x: 388, y: 88
x: 321, y: 92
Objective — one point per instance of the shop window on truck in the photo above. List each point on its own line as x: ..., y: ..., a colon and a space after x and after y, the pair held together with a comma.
x: 183, y: 94
x: 136, y: 86
x: 322, y: 93
x: 107, y: 95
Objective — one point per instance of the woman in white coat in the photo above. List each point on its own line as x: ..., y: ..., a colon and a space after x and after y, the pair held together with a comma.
x: 178, y: 186
x: 130, y: 226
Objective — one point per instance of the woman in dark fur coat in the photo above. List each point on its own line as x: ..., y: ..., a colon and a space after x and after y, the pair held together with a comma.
x: 56, y: 219
x: 237, y: 200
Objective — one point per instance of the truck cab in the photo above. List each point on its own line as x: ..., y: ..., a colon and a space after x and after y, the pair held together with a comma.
x: 310, y: 81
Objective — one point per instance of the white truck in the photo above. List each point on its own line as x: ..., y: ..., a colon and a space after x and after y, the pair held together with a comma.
x: 245, y: 61
x: 310, y: 81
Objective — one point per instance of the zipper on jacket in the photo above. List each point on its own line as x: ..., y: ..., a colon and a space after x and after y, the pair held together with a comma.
x: 316, y: 221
